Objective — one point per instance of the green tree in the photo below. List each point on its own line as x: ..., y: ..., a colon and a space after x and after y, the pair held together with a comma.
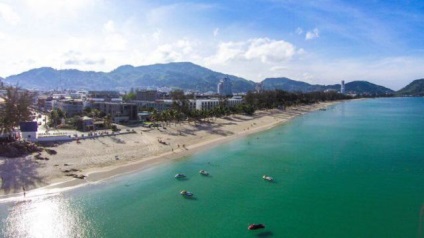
x: 131, y: 95
x: 16, y: 108
x: 55, y: 116
x: 181, y: 102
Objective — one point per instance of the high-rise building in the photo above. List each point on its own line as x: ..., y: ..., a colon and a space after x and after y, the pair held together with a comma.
x: 225, y: 87
x: 342, y: 87
x: 259, y: 87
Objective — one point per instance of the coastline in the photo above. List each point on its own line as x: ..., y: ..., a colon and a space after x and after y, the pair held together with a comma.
x: 103, y: 158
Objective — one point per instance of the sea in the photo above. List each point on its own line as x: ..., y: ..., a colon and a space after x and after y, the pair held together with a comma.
x: 353, y: 170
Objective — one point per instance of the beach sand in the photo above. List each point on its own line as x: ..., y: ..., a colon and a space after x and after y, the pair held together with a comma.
x: 103, y: 157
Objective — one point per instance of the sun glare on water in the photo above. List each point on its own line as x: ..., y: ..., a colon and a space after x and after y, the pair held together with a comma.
x: 44, y: 217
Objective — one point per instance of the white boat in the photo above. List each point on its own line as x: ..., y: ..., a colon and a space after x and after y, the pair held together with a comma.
x: 180, y: 176
x: 186, y: 193
x: 204, y: 172
x: 268, y: 178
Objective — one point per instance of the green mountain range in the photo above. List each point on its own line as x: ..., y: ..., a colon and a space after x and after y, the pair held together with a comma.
x: 356, y: 87
x: 416, y: 88
x: 183, y: 75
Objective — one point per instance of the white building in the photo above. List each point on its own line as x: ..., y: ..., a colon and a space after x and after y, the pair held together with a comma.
x: 208, y: 104
x: 342, y: 87
x: 225, y: 87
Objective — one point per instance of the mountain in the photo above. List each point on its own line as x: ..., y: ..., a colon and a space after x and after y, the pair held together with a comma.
x: 182, y: 75
x: 290, y: 85
x: 357, y: 87
x: 416, y: 88
x: 364, y: 87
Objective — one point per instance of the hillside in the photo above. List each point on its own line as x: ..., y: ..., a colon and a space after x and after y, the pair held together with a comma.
x: 183, y: 75
x: 364, y: 87
x: 290, y: 85
x: 357, y: 87
x: 416, y: 88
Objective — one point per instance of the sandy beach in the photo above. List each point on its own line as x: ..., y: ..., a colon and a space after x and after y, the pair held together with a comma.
x: 103, y: 157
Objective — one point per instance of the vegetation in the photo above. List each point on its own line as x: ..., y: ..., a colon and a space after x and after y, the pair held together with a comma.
x: 416, y: 88
x: 282, y: 99
x: 56, y: 116
x: 355, y: 87
x: 131, y: 95
x: 16, y: 108
x: 181, y: 75
x: 252, y: 102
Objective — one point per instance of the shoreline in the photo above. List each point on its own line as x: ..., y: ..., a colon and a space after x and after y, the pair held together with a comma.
x: 49, y: 176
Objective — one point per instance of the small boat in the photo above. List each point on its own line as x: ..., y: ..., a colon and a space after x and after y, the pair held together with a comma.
x: 268, y: 178
x: 180, y: 176
x: 204, y: 172
x: 256, y: 226
x: 186, y: 193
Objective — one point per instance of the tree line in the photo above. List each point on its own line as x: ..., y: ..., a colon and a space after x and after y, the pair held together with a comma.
x: 181, y: 111
x: 16, y: 106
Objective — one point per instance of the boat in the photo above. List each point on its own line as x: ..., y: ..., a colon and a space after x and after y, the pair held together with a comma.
x: 180, y: 176
x: 268, y: 178
x: 204, y: 172
x: 256, y: 226
x: 186, y: 193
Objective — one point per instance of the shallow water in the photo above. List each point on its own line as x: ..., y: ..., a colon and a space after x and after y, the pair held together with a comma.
x: 355, y: 170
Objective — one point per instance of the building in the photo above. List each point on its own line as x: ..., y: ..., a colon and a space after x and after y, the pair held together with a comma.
x: 208, y: 104
x: 49, y: 104
x: 225, y: 87
x: 87, y: 124
x: 105, y: 96
x: 342, y: 87
x: 29, y: 130
x: 70, y: 107
x: 119, y: 112
x: 147, y: 95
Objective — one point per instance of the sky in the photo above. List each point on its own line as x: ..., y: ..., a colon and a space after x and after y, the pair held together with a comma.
x: 315, y: 41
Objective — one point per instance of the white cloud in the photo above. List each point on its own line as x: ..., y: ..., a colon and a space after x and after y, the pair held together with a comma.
x: 312, y: 34
x: 109, y: 27
x: 2, y: 36
x: 115, y: 42
x: 270, y: 50
x: 181, y: 50
x: 157, y: 34
x: 8, y: 14
x: 58, y: 8
x: 227, y: 51
x: 278, y: 68
x: 299, y: 31
x: 216, y: 32
x: 264, y: 50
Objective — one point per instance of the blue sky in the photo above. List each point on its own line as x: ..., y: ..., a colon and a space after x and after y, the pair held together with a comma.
x: 319, y: 42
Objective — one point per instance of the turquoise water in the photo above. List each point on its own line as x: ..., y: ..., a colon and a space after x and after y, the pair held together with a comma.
x: 355, y: 170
